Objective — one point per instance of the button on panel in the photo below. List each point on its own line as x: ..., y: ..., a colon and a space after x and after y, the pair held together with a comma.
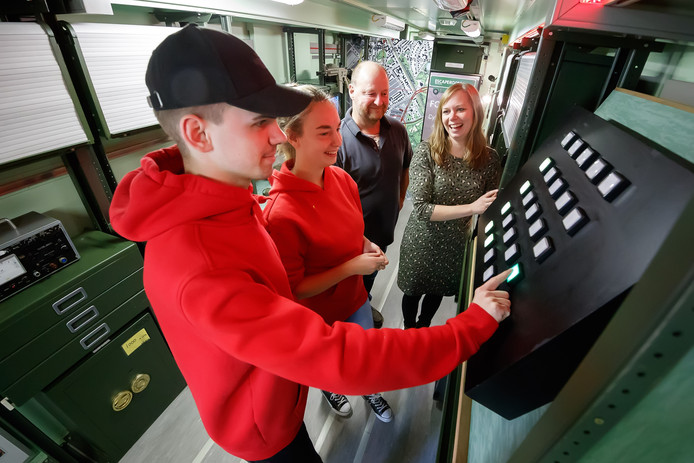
x: 525, y: 187
x: 508, y: 221
x: 489, y: 272
x: 546, y: 164
x: 557, y: 187
x: 565, y: 202
x: 598, y: 170
x: 612, y: 185
x: 533, y: 212
x: 568, y: 138
x: 543, y: 249
x: 551, y: 174
x: 529, y: 199
x: 510, y: 235
x: 576, y: 148
x: 586, y: 158
x: 575, y: 220
x: 512, y: 253
x: 489, y: 256
x: 537, y: 229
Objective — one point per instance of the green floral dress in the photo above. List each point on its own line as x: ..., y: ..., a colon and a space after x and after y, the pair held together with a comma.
x: 432, y: 253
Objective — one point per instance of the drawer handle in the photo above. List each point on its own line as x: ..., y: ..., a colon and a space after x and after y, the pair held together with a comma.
x: 80, y: 320
x: 140, y: 383
x: 95, y: 336
x: 61, y: 310
x: 122, y: 400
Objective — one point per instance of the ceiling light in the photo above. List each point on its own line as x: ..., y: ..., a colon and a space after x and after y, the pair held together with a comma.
x: 388, y: 22
x: 424, y: 35
x: 289, y: 2
x: 448, y: 22
x: 471, y: 28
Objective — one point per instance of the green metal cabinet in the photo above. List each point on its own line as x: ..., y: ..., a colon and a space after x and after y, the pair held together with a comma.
x: 62, y: 358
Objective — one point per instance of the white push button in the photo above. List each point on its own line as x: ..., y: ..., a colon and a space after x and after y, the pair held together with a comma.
x: 512, y: 253
x: 537, y: 229
x: 506, y: 207
x: 533, y: 212
x: 598, y: 170
x: 567, y: 139
x: 551, y: 174
x: 490, y: 272
x: 576, y: 148
x: 565, y: 201
x: 575, y: 220
x: 612, y: 186
x: 557, y: 187
x: 525, y: 187
x: 489, y: 227
x: 489, y: 256
x: 488, y: 241
x: 543, y: 249
x: 508, y: 221
x: 585, y: 158
x: 529, y: 199
x: 546, y: 164
x: 510, y: 235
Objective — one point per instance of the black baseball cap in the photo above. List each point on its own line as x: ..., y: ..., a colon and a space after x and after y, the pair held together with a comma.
x: 197, y: 66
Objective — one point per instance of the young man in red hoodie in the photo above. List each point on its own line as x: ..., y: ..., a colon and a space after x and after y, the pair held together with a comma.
x: 214, y: 277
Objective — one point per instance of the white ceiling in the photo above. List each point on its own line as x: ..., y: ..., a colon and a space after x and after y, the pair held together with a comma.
x: 496, y: 16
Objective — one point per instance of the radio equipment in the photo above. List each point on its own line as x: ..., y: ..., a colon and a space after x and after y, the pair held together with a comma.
x: 32, y: 247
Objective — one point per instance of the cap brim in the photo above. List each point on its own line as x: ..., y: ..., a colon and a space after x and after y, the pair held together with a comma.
x: 275, y: 100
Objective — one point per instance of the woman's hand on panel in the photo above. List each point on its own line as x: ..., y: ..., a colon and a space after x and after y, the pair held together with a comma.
x: 483, y: 202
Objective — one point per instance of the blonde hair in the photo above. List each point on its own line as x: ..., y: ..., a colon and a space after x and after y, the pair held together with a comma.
x: 476, y: 142
x: 169, y: 119
x: 295, y: 124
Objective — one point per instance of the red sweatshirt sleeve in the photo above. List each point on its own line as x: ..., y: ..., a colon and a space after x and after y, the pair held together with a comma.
x: 257, y: 326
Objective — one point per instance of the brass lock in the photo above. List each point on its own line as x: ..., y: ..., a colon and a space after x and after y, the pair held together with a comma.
x: 140, y: 383
x: 122, y: 400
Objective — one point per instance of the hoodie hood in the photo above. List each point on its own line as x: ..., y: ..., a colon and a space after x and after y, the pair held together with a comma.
x: 160, y: 195
x: 284, y: 181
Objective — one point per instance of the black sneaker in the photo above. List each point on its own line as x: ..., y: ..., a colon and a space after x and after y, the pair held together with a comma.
x: 380, y: 407
x: 339, y: 403
x: 378, y: 318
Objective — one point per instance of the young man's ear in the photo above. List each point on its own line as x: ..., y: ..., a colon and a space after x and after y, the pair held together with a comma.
x: 193, y: 133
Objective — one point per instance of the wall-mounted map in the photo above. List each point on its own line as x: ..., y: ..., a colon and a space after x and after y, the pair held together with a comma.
x: 407, y: 63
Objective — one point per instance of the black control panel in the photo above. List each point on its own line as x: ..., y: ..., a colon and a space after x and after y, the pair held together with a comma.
x: 32, y: 247
x: 579, y: 224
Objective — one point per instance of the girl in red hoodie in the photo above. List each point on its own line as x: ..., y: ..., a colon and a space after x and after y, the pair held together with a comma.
x: 315, y: 218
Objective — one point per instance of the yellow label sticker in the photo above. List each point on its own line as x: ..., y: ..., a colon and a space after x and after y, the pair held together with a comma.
x: 132, y: 344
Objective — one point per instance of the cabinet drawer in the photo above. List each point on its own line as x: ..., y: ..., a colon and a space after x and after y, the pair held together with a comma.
x: 105, y: 261
x: 21, y: 388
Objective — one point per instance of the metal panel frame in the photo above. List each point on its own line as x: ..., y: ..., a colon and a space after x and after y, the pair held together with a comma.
x: 642, y: 343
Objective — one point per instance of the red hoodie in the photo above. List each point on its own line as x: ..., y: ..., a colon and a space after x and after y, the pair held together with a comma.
x: 316, y: 229
x: 221, y: 295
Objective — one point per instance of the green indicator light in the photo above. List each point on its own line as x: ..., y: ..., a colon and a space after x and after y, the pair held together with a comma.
x: 506, y: 208
x: 515, y: 272
x: 525, y: 187
x: 489, y: 226
x: 545, y: 164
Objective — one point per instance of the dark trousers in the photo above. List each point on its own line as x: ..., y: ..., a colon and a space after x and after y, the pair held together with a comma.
x: 410, y: 308
x: 299, y: 450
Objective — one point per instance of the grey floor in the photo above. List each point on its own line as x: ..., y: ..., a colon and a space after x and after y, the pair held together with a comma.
x: 178, y: 436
